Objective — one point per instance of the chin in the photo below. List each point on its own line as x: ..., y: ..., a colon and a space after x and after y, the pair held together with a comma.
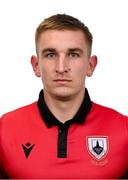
x: 63, y: 93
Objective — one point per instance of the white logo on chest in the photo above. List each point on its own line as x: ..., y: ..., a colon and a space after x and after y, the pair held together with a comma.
x: 97, y: 146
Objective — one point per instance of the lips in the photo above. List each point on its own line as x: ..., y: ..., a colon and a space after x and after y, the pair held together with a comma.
x: 62, y: 80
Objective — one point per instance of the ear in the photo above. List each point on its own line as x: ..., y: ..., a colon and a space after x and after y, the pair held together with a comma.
x: 35, y: 65
x: 92, y: 65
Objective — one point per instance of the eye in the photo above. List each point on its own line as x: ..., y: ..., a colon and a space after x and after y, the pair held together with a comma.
x: 74, y: 55
x: 50, y: 55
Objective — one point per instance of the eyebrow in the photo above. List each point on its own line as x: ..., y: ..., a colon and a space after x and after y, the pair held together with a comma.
x: 55, y: 50
x: 75, y: 49
x: 48, y: 50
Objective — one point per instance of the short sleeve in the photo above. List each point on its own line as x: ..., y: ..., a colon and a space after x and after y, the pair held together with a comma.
x: 3, y: 175
x: 0, y: 150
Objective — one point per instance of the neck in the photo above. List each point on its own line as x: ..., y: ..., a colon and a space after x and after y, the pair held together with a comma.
x: 64, y: 110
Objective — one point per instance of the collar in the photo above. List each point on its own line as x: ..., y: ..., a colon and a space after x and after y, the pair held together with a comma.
x: 51, y: 120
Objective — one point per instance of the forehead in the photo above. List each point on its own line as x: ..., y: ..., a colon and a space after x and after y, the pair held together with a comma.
x: 62, y: 39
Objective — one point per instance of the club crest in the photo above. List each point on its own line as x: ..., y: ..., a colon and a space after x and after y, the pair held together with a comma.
x: 97, y: 146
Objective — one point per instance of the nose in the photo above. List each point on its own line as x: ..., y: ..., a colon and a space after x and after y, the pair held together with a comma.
x: 62, y: 65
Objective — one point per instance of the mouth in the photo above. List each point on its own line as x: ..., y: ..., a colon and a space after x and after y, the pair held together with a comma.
x: 62, y: 81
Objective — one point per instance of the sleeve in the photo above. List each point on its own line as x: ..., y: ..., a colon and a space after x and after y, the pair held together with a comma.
x: 1, y: 171
x: 3, y: 175
x: 127, y: 145
x: 0, y: 151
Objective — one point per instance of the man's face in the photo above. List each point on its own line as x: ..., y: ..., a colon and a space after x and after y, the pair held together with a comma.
x: 63, y: 62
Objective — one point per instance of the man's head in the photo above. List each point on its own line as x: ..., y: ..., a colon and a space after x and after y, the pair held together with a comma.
x: 63, y: 58
x: 63, y: 22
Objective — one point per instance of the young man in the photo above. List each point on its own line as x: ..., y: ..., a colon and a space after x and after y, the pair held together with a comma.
x: 64, y: 134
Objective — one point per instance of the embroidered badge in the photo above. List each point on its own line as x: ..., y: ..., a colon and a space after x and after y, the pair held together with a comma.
x: 97, y: 146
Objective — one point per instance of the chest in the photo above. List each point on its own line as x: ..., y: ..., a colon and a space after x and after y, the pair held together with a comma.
x: 76, y: 152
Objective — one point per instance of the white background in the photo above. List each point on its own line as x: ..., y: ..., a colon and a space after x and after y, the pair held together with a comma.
x: 106, y: 19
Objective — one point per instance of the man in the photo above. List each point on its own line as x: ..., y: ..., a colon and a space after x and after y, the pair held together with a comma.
x: 64, y: 134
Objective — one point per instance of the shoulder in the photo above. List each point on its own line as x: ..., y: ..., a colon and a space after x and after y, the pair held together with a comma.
x: 107, y: 112
x: 109, y: 118
x: 19, y: 113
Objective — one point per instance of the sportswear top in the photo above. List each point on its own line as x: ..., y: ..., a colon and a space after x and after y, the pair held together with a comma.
x: 34, y: 144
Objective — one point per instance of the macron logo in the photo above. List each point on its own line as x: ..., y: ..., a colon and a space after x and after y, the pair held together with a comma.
x: 27, y: 148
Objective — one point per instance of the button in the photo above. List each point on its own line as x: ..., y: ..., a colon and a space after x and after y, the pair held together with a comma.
x: 60, y: 131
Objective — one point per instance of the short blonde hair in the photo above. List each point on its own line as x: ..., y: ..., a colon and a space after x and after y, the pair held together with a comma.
x: 63, y: 22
